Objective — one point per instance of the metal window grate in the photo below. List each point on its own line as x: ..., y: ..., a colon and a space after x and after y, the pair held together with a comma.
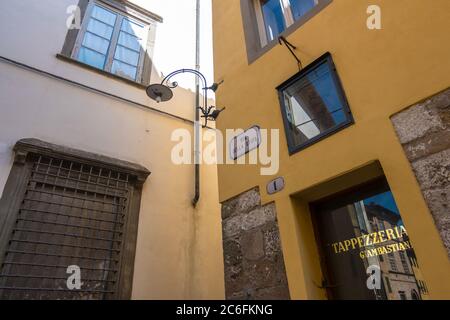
x: 71, y: 214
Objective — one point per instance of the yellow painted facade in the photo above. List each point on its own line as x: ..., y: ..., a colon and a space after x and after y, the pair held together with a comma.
x: 382, y: 72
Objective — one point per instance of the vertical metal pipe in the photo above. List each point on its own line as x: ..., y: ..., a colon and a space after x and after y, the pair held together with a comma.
x: 197, y: 105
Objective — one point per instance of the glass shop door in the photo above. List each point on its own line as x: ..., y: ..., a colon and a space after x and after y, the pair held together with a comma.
x: 364, y: 246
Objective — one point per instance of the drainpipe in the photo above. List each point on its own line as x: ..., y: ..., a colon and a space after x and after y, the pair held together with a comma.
x: 197, y: 106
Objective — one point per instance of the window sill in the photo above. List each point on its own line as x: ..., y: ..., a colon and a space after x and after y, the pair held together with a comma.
x: 99, y: 71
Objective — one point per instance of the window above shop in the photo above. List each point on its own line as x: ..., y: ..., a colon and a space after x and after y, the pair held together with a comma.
x: 313, y: 104
x: 274, y: 16
x: 266, y: 20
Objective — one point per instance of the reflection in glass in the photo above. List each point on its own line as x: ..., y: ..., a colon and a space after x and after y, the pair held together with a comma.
x: 104, y: 15
x: 132, y: 28
x: 92, y: 58
x: 313, y: 105
x: 99, y: 28
x: 96, y: 41
x: 105, y: 27
x: 126, y: 57
x: 362, y: 231
x: 129, y: 41
x: 123, y: 69
x: 277, y: 15
x: 300, y: 7
x: 273, y: 18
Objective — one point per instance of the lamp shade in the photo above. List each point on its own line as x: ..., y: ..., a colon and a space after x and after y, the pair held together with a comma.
x: 159, y: 92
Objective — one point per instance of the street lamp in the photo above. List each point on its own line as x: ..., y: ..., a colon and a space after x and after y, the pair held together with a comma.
x: 162, y: 92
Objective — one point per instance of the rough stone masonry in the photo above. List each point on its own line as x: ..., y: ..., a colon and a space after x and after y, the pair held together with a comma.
x: 424, y: 132
x: 253, y: 259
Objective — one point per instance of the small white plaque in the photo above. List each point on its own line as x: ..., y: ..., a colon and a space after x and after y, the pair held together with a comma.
x: 275, y: 186
x: 245, y: 142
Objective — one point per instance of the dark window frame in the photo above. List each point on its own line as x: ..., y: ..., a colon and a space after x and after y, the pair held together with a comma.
x: 19, y: 177
x: 324, y: 59
x: 388, y: 284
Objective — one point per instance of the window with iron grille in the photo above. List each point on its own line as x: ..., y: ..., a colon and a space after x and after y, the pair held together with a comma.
x: 60, y: 210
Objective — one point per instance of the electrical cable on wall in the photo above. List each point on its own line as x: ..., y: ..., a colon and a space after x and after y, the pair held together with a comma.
x: 282, y: 40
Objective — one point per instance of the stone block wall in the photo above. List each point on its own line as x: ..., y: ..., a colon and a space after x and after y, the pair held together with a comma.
x: 253, y: 259
x: 424, y: 132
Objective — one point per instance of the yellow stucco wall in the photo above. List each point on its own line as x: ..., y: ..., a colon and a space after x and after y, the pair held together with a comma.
x: 382, y: 72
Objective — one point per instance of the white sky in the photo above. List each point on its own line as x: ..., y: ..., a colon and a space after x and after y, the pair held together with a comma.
x: 175, y: 38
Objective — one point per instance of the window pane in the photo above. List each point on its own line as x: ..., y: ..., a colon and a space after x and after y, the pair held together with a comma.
x: 104, y: 15
x: 132, y: 28
x: 313, y: 105
x: 124, y: 70
x: 95, y: 43
x: 92, y: 58
x: 126, y: 55
x: 99, y: 28
x: 129, y: 41
x: 273, y: 18
x: 301, y: 7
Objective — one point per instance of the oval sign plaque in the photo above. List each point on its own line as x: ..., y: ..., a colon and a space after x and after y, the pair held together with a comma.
x: 275, y: 186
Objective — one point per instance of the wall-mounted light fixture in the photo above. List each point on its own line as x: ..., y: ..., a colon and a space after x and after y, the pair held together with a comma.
x: 161, y: 92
